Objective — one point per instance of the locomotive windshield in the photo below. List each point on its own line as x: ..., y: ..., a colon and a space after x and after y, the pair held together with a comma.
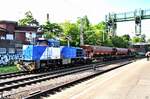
x: 42, y: 43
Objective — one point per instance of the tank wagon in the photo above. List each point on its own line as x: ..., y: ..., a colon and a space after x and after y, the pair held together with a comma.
x: 48, y: 54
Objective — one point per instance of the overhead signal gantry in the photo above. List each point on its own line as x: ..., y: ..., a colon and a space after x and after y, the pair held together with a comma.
x: 137, y: 16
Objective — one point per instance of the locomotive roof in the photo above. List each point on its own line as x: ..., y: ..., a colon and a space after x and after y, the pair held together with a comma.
x: 48, y: 40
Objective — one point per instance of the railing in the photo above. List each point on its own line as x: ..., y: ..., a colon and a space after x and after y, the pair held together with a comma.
x: 129, y: 16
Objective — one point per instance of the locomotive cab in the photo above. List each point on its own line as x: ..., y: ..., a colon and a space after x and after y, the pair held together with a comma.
x: 44, y: 53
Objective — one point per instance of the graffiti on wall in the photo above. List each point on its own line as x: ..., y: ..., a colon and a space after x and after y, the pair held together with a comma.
x: 6, y: 59
x: 9, y: 56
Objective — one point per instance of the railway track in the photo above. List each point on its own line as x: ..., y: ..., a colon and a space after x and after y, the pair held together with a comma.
x: 41, y: 77
x: 10, y: 75
x: 16, y: 74
x: 19, y: 74
x: 61, y: 86
x: 7, y: 86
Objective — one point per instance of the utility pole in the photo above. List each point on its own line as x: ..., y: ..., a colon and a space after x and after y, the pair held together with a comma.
x: 103, y: 36
x: 47, y: 16
x: 81, y: 33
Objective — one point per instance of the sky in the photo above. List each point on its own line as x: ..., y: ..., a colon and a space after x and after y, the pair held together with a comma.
x: 61, y: 10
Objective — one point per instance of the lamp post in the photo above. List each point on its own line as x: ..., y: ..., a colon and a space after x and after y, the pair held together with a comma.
x: 68, y: 40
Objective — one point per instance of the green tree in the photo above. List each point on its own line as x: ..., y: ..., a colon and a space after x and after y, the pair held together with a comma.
x: 137, y: 39
x: 72, y: 30
x: 84, y: 21
x: 84, y: 26
x: 108, y: 42
x: 96, y: 35
x: 126, y: 37
x: 93, y: 34
x: 119, y: 42
x: 101, y: 36
x: 28, y: 20
x: 148, y: 40
x: 51, y: 30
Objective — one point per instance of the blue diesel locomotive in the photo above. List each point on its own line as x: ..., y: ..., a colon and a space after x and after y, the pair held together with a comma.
x: 48, y: 54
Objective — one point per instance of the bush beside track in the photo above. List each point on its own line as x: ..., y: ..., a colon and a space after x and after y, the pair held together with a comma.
x: 8, y: 69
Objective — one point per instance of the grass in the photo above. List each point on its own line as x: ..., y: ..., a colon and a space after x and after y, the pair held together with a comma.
x: 8, y: 69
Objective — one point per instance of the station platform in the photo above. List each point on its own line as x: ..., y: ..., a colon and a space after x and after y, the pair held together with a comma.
x: 128, y: 82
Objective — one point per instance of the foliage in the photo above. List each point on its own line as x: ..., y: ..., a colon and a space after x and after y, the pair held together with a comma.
x: 84, y: 27
x: 93, y: 34
x: 84, y: 22
x: 119, y: 42
x: 137, y: 39
x: 8, y: 69
x: 148, y: 40
x: 101, y: 34
x: 51, y: 30
x: 126, y: 37
x: 71, y: 30
x: 28, y: 20
x: 108, y: 42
